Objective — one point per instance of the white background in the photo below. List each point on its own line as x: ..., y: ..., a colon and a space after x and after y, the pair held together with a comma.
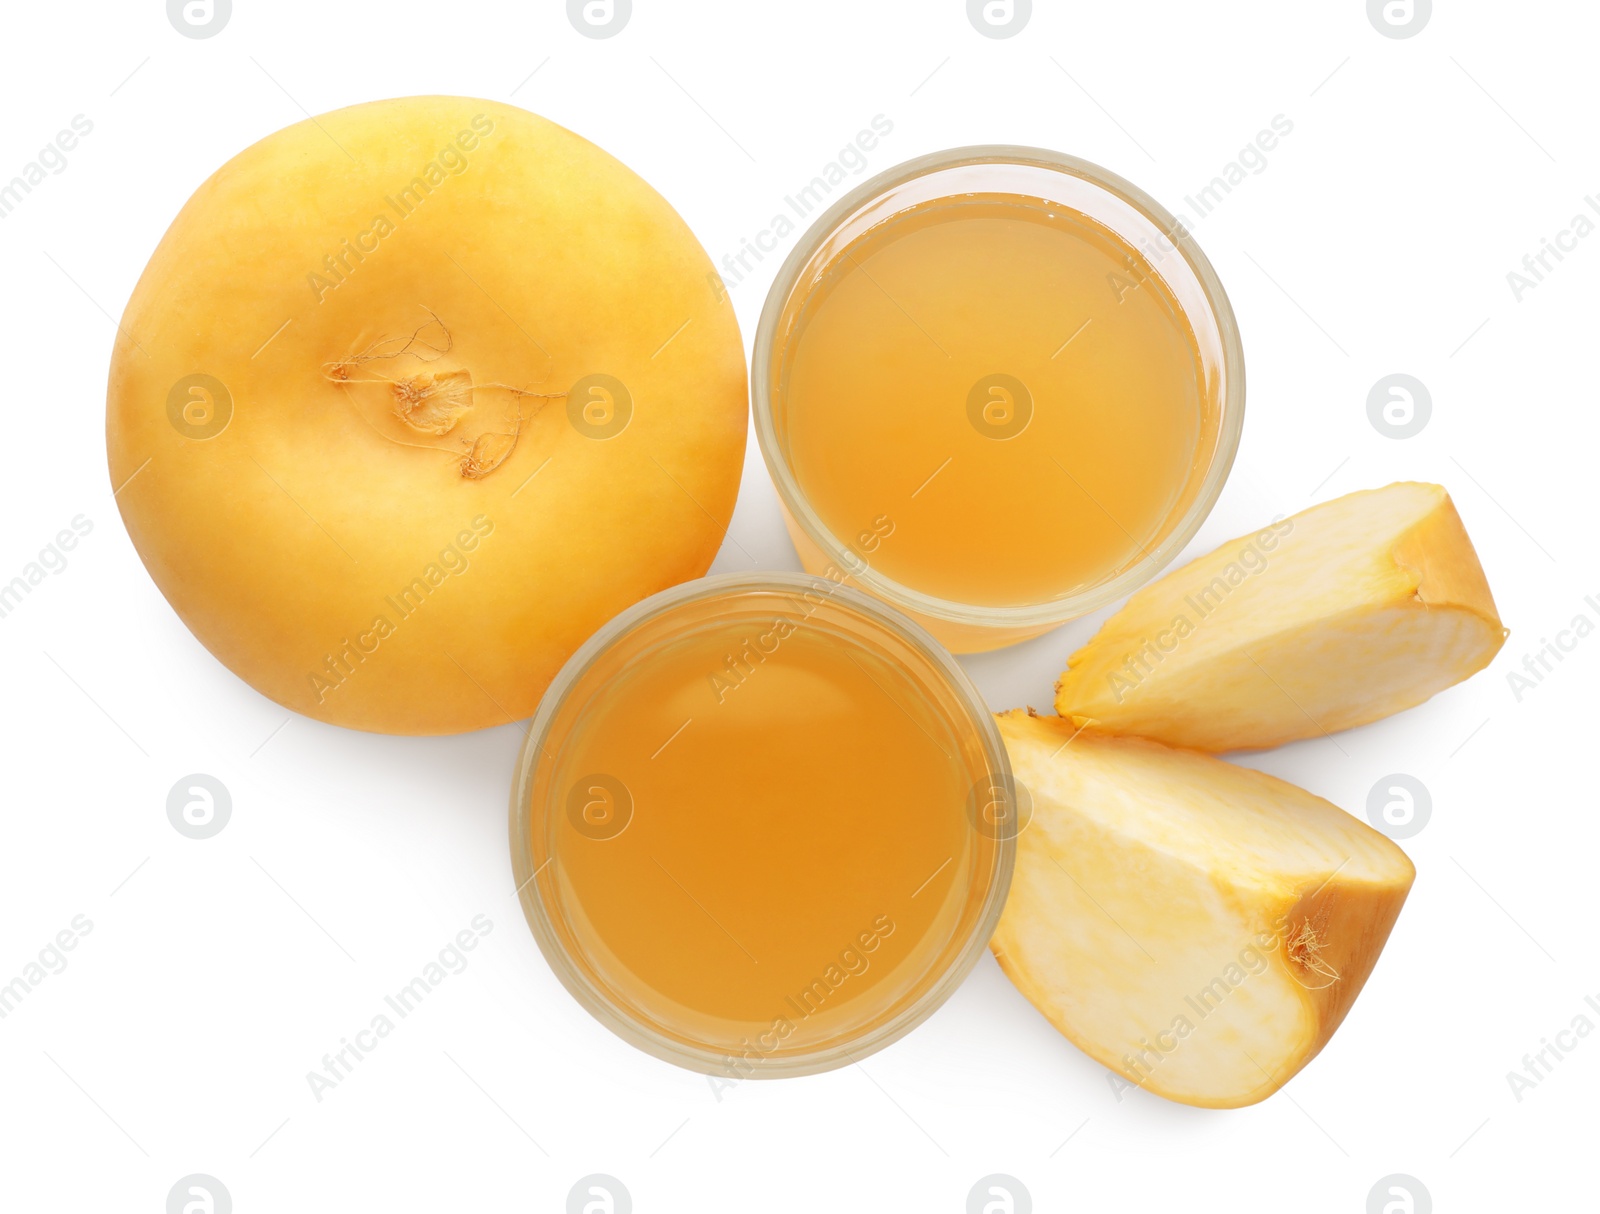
x: 1378, y: 239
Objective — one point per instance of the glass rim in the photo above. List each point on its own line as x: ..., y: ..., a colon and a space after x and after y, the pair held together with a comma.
x: 1030, y: 615
x: 592, y: 997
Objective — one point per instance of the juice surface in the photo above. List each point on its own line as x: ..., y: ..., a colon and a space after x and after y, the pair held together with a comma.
x: 1005, y: 383
x: 760, y: 828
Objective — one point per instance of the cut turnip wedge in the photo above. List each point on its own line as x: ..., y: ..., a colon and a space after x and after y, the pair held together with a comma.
x: 1334, y: 617
x: 1200, y: 929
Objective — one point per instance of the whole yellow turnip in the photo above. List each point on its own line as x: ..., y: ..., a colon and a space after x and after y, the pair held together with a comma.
x: 414, y: 396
